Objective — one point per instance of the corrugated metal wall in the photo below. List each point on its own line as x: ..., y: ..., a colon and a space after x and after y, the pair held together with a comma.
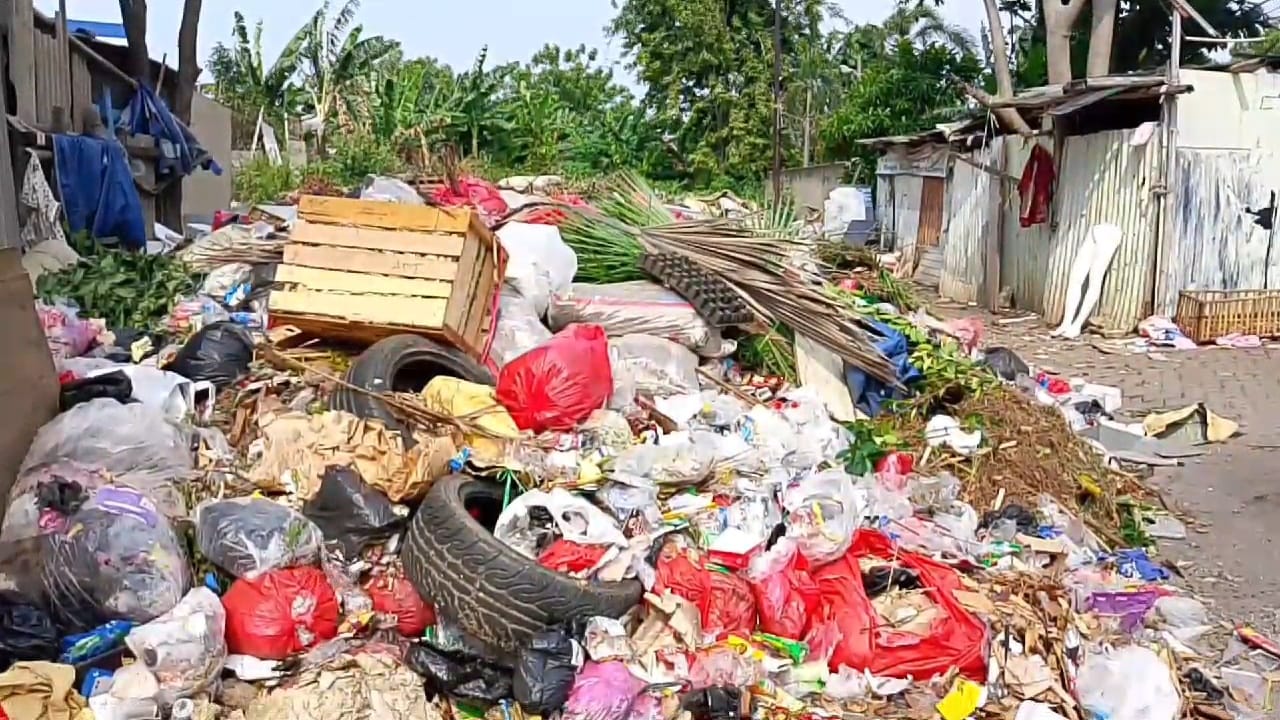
x: 1101, y: 179
x: 1219, y: 246
x: 885, y: 211
x: 906, y: 210
x: 964, y: 245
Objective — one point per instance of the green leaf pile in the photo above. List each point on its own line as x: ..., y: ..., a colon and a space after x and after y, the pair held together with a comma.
x: 127, y: 289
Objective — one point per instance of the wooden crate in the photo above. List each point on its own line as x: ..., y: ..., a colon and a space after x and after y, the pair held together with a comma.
x: 1205, y: 315
x: 360, y: 270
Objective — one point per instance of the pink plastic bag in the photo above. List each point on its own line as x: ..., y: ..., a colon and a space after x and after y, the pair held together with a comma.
x: 67, y: 334
x: 604, y: 691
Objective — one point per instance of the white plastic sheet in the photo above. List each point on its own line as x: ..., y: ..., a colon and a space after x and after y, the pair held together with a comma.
x: 539, y: 263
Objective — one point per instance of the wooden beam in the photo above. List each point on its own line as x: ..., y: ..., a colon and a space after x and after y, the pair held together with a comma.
x: 22, y: 58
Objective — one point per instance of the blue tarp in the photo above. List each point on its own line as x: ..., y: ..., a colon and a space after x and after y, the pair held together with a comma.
x: 180, y: 152
x: 870, y: 394
x: 97, y: 189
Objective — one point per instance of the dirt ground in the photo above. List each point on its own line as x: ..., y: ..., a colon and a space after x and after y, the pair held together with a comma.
x: 1233, y: 561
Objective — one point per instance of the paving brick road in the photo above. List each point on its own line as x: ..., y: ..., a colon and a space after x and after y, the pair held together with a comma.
x: 1234, y: 489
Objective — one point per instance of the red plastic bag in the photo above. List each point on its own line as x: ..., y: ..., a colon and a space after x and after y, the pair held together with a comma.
x: 480, y: 194
x: 393, y: 594
x: 957, y: 638
x: 558, y: 384
x: 786, y: 594
x: 566, y: 556
x: 280, y: 613
x: 724, y: 600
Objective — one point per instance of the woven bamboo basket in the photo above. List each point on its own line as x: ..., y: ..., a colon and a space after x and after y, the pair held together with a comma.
x: 1205, y: 315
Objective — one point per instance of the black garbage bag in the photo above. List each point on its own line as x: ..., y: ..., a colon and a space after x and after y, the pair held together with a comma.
x: 714, y: 703
x: 459, y: 676
x: 249, y: 536
x: 350, y: 512
x: 544, y: 672
x: 114, y: 385
x: 1005, y: 363
x: 219, y: 352
x: 26, y: 632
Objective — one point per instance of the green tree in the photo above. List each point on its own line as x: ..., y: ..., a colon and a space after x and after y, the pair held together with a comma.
x: 244, y: 82
x: 338, y: 61
x: 908, y: 90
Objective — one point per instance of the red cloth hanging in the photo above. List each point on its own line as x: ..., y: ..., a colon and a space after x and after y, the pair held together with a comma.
x: 1036, y: 187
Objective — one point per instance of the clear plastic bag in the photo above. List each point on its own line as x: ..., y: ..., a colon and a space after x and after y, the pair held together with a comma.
x: 519, y: 329
x: 577, y: 520
x: 1130, y: 683
x: 186, y: 647
x: 823, y: 510
x: 539, y: 263
x: 648, y: 365
x: 118, y: 559
x: 680, y: 461
x: 250, y: 535
x: 638, y: 308
x: 68, y: 336
x: 136, y: 443
x: 223, y: 280
x: 389, y: 189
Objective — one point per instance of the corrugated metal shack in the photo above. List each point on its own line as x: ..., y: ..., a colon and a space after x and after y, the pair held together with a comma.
x: 57, y: 83
x: 957, y: 223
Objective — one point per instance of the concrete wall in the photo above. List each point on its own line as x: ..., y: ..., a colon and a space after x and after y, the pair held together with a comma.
x: 204, y: 193
x: 810, y: 186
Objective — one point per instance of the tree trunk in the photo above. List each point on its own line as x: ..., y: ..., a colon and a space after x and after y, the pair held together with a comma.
x: 1059, y: 18
x: 1008, y: 117
x: 808, y: 123
x: 133, y: 13
x: 1101, y: 37
x: 183, y: 93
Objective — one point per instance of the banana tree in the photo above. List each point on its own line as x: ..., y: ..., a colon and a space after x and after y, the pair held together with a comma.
x: 243, y: 81
x: 337, y: 58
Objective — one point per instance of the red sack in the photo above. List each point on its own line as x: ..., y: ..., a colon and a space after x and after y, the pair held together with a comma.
x: 280, y: 613
x: 393, y: 594
x: 957, y: 639
x: 786, y: 594
x: 558, y: 384
x: 724, y: 600
x: 566, y: 556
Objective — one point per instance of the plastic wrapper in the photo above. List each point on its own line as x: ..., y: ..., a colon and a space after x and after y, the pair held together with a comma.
x: 220, y: 353
x: 184, y: 648
x: 558, y: 384
x: 389, y: 189
x: 573, y: 559
x: 350, y: 512
x: 638, y: 308
x: 722, y: 666
x: 786, y: 595
x: 68, y: 336
x: 26, y: 632
x: 539, y: 263
x: 345, y: 581
x: 681, y: 460
x: 1130, y: 683
x: 224, y: 281
x: 574, y: 518
x: 113, y: 385
x: 118, y: 559
x: 136, y: 443
x: 823, y: 510
x: 544, y: 672
x: 280, y: 613
x: 631, y: 503
x: 651, y: 366
x: 608, y: 691
x: 519, y: 328
x: 250, y: 535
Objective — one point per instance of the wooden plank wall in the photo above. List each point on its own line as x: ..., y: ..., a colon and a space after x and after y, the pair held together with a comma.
x: 53, y: 82
x: 22, y: 59
x: 81, y: 88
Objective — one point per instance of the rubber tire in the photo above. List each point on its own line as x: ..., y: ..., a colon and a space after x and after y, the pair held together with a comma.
x: 376, y: 368
x: 499, y: 597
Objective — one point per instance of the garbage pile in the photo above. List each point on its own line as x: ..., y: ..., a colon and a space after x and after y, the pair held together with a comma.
x: 611, y: 519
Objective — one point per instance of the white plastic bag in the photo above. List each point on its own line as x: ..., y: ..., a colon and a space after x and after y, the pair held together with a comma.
x: 184, y: 648
x: 577, y: 520
x: 539, y: 263
x: 823, y: 510
x: 682, y: 459
x: 224, y: 279
x: 653, y: 366
x: 638, y: 308
x: 519, y: 329
x: 169, y: 392
x: 137, y: 443
x: 389, y: 189
x: 1130, y: 683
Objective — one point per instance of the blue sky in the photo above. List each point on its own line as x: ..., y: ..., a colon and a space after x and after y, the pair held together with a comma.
x: 452, y: 31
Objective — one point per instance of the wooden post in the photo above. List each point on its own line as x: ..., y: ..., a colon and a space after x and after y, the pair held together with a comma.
x: 1164, y: 289
x: 22, y: 59
x: 995, y: 225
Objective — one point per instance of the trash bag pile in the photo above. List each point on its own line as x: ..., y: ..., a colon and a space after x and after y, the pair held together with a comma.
x: 628, y: 522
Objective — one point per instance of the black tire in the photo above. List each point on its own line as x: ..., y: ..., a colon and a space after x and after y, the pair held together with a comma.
x: 497, y: 596
x: 404, y: 363
x: 713, y: 298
